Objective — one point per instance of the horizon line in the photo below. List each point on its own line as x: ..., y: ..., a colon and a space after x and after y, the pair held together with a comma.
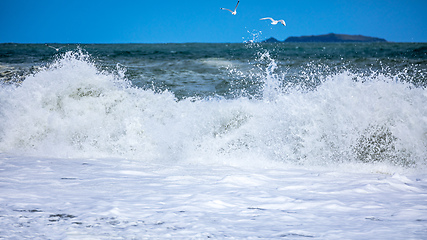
x: 247, y: 42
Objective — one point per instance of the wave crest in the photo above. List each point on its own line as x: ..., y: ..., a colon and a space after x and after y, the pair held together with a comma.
x: 71, y: 108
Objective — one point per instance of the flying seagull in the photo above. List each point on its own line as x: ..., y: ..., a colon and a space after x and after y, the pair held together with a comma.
x: 234, y: 13
x: 57, y: 49
x: 274, y: 22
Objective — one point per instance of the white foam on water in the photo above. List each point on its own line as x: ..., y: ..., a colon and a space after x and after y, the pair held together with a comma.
x: 72, y: 109
x: 84, y: 155
x: 49, y: 198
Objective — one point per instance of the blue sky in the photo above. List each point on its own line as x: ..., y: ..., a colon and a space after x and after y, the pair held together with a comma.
x: 172, y: 21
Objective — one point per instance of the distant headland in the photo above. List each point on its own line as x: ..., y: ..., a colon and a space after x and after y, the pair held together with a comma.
x: 331, y: 37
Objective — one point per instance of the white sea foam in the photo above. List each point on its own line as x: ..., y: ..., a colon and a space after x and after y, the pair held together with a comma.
x: 45, y: 198
x: 218, y: 62
x: 72, y: 109
x: 343, y: 161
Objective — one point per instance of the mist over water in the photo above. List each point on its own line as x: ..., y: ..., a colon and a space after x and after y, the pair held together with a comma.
x: 233, y: 104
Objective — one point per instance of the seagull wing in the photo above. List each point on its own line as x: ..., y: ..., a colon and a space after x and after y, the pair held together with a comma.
x: 236, y: 5
x: 283, y: 22
x: 226, y: 9
x: 269, y: 18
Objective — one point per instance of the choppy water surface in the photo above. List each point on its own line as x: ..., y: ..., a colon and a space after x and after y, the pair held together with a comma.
x: 193, y: 141
x: 302, y: 103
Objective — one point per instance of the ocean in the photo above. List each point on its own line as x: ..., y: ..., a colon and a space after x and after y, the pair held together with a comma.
x: 213, y: 140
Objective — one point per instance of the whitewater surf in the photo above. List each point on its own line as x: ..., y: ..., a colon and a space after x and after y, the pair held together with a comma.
x: 213, y: 141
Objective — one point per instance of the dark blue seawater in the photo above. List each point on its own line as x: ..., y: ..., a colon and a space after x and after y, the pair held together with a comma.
x: 303, y: 103
x: 197, y: 69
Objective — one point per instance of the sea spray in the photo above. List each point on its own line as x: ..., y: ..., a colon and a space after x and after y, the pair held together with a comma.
x: 71, y: 108
x: 345, y: 145
x: 271, y: 88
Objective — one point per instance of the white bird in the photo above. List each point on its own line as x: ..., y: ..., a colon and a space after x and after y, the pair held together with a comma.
x: 232, y: 12
x: 57, y: 49
x: 274, y: 22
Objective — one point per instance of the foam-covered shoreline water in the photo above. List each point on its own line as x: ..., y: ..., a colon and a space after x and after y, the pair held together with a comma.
x: 71, y: 108
x: 46, y: 198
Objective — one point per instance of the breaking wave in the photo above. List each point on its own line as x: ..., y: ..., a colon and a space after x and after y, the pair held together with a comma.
x: 73, y: 109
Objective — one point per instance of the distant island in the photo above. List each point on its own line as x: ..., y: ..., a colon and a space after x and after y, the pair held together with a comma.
x: 331, y: 37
